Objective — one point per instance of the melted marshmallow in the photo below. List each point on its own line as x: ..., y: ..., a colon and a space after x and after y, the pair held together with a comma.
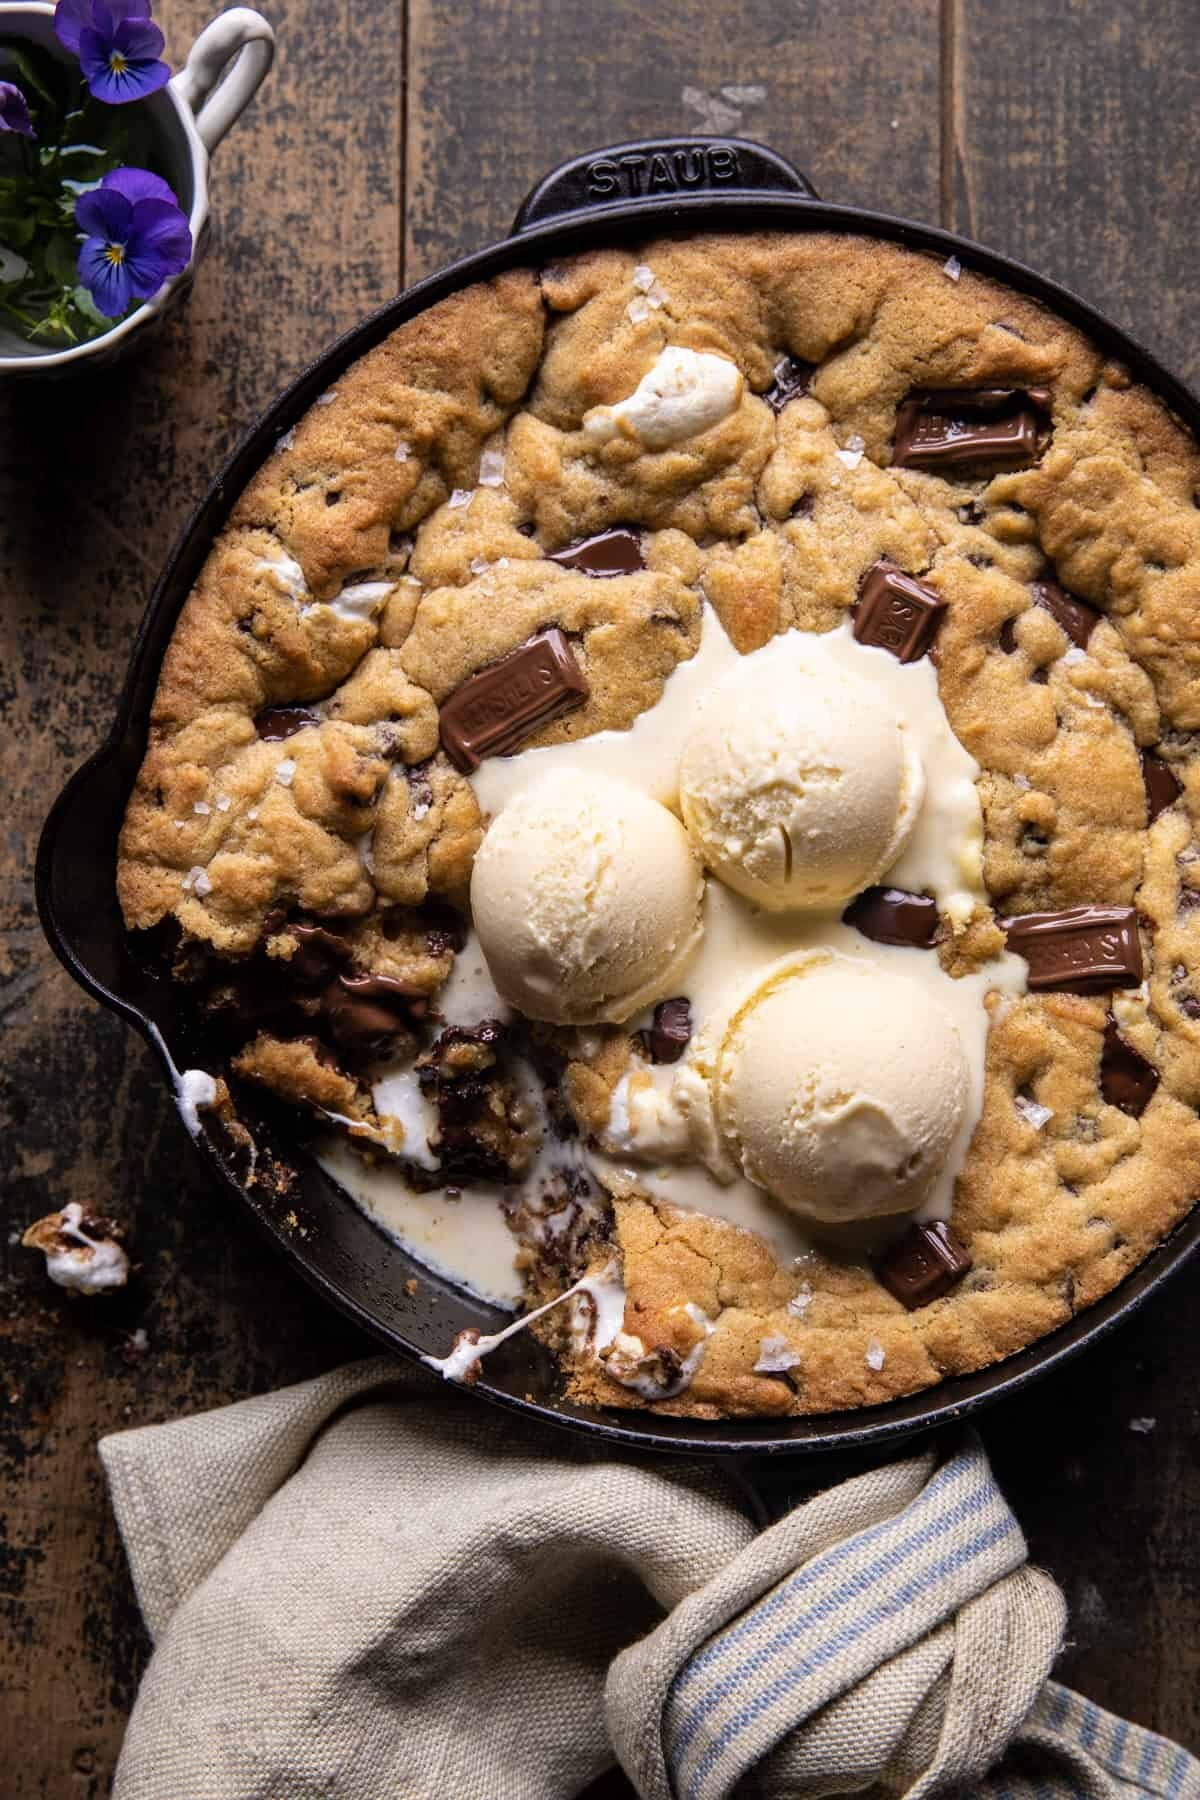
x: 685, y: 393
x: 607, y: 1297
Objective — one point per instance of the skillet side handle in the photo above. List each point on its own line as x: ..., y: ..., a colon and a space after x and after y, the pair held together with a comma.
x: 657, y: 171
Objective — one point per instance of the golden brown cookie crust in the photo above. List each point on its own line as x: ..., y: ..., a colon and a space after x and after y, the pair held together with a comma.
x: 772, y: 519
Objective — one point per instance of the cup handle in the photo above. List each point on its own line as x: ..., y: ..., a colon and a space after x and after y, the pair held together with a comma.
x: 238, y: 45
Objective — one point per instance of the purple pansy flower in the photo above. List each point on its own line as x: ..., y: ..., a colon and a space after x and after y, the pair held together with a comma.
x: 118, y: 45
x: 14, y: 110
x: 137, y: 238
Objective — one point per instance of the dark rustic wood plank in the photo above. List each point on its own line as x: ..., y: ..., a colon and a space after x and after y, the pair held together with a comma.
x: 1077, y: 152
x: 1074, y: 147
x: 849, y: 93
x: 96, y: 478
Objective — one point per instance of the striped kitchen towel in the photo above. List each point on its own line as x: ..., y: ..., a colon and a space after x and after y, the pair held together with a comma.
x: 889, y: 1635
x: 369, y: 1586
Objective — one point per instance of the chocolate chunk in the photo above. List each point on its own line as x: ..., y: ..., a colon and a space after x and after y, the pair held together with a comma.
x: 1127, y: 1080
x: 318, y: 956
x: 479, y: 1134
x: 1075, y: 616
x: 889, y: 915
x: 792, y: 377
x: 275, y: 722
x: 924, y: 1264
x: 670, y: 1034
x: 896, y: 612
x: 1163, y: 786
x: 1082, y: 950
x: 365, y: 1011
x: 1189, y: 899
x: 616, y: 552
x: 957, y: 428
x: 495, y: 711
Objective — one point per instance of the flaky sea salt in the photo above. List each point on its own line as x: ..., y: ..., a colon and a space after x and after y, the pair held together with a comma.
x: 201, y: 806
x: 952, y: 267
x: 491, y: 466
x: 1074, y: 655
x: 196, y: 882
x: 638, y: 309
x: 284, y: 771
x: 479, y: 565
x: 876, y: 1355
x: 403, y: 451
x: 460, y: 497
x: 1142, y: 1426
x: 285, y: 440
x: 1022, y: 783
x: 852, y: 454
x: 327, y: 398
x: 1032, y: 1111
x: 252, y: 814
x: 643, y: 278
x: 775, y: 1354
x: 799, y: 1304
x: 224, y: 803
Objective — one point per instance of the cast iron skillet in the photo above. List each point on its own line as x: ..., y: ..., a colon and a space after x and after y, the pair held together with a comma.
x: 631, y: 190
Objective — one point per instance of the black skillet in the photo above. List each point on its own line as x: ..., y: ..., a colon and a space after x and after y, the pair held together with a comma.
x: 629, y: 191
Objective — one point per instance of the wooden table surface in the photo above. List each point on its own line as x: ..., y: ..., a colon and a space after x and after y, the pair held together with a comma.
x: 389, y: 138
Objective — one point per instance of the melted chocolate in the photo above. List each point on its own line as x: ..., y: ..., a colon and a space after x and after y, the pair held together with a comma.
x: 1075, y: 616
x: 1127, y: 1080
x: 276, y: 722
x: 889, y: 915
x: 365, y: 1011
x: 792, y: 378
x: 670, y: 1034
x: 1162, y: 785
x: 615, y: 552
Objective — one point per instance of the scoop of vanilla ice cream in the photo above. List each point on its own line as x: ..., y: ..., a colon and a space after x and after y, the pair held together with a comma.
x: 797, y: 782
x: 586, y: 898
x: 685, y: 393
x: 839, y: 1087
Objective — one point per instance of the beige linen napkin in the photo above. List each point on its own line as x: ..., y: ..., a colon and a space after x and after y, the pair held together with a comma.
x: 370, y: 1586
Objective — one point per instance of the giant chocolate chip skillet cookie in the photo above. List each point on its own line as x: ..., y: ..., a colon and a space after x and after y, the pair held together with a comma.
x: 682, y: 770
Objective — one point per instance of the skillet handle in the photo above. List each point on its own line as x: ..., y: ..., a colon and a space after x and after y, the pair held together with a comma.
x: 655, y: 171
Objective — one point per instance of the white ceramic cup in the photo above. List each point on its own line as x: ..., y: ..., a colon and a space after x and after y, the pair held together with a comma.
x: 224, y: 70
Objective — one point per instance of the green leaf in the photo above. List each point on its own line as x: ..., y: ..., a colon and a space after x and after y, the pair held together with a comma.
x: 31, y: 66
x: 61, y: 259
x: 87, y: 306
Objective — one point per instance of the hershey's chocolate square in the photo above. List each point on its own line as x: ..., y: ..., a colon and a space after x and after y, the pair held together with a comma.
x: 493, y: 712
x: 897, y: 612
x: 955, y: 428
x: 923, y: 1265
x: 1081, y: 950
